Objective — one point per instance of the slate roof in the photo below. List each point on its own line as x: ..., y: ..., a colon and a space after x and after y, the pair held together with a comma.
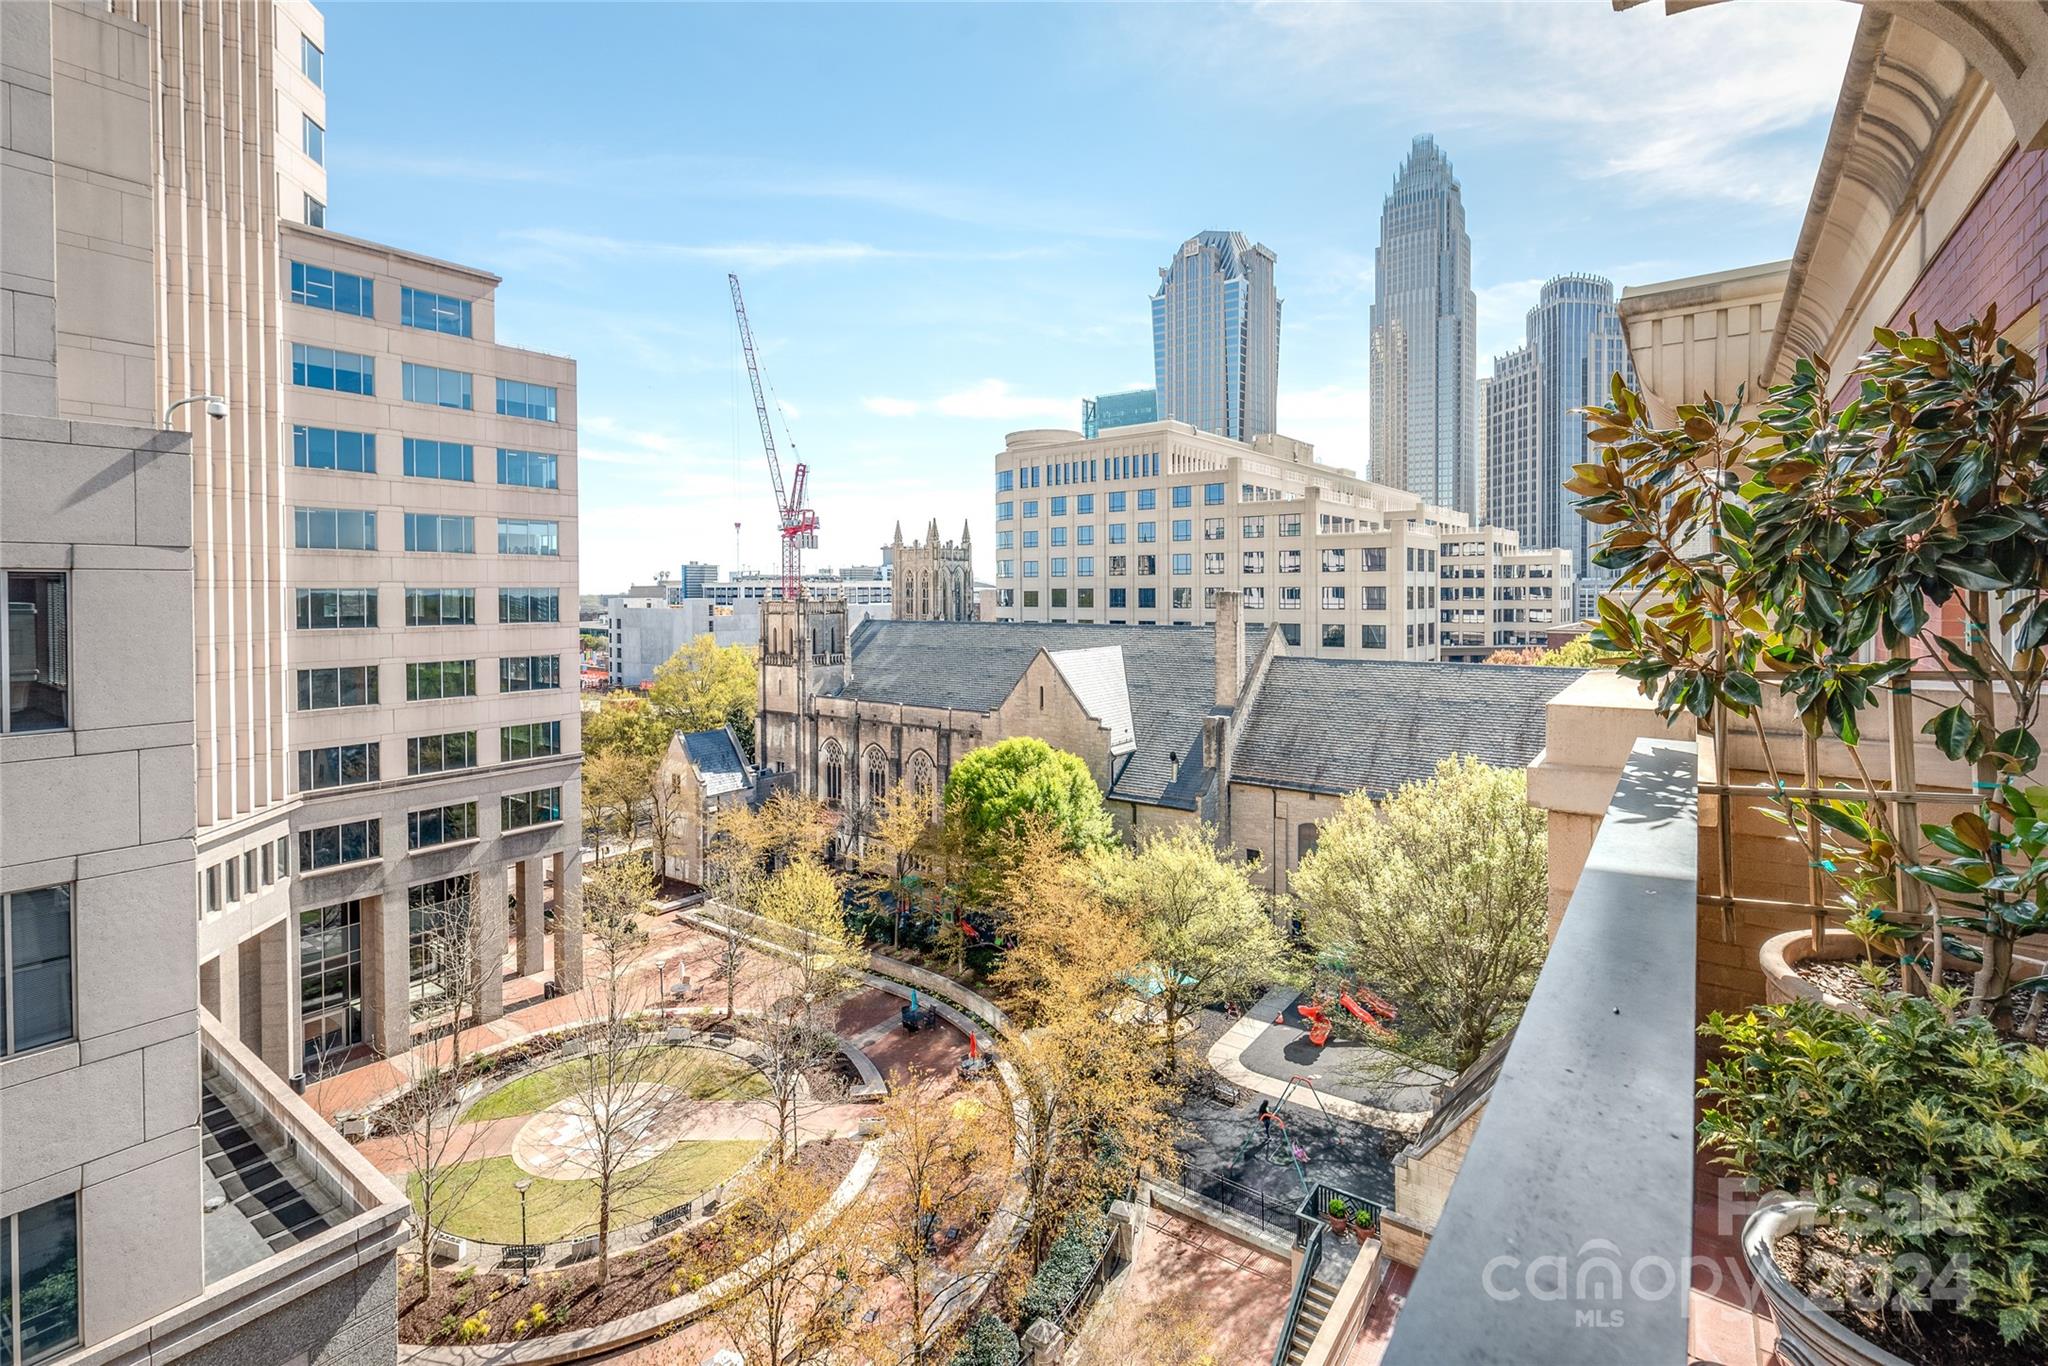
x: 1169, y: 672
x: 716, y: 758
x: 1338, y: 725
x: 1097, y: 678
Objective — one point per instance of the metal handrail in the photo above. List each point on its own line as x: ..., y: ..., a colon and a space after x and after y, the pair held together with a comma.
x: 1311, y: 1257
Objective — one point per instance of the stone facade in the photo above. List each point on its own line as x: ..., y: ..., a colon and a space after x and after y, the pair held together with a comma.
x: 933, y: 580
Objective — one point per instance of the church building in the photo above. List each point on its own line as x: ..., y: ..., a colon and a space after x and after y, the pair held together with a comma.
x: 931, y: 580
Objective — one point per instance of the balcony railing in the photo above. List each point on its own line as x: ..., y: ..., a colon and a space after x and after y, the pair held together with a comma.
x: 1567, y: 1234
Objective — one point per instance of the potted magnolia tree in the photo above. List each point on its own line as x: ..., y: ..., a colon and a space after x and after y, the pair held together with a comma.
x: 1824, y: 555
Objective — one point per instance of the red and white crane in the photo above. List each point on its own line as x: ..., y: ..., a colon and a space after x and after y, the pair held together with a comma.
x: 797, y: 524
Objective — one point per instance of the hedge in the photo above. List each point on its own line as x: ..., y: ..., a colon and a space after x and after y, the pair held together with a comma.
x: 988, y: 1343
x: 1067, y: 1266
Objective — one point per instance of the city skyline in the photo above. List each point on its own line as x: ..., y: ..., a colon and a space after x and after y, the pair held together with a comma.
x: 915, y: 304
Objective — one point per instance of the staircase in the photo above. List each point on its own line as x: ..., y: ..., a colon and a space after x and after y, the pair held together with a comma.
x: 1315, y: 1306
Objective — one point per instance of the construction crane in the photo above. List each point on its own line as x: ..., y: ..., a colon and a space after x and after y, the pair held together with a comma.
x: 797, y: 524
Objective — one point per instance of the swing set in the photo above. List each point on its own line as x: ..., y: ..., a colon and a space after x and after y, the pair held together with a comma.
x: 1270, y: 1118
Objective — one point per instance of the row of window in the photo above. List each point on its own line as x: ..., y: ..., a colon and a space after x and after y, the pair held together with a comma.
x: 243, y: 874
x: 338, y: 291
x: 349, y: 372
x: 332, y: 609
x: 1143, y: 466
x: 359, y: 841
x: 427, y: 532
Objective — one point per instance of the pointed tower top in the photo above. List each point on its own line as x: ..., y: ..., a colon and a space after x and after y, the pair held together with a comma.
x: 966, y: 533
x: 899, y: 531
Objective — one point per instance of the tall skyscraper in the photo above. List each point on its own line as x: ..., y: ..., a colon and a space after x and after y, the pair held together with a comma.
x: 1216, y: 337
x: 1425, y: 325
x: 1534, y: 434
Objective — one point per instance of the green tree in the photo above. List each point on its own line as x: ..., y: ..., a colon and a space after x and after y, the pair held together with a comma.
x: 994, y: 790
x: 1205, y: 928
x: 624, y: 722
x: 1576, y: 653
x: 706, y: 685
x: 615, y: 784
x: 1439, y: 897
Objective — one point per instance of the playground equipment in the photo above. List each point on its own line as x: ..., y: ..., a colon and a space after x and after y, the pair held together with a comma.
x: 1319, y: 1024
x: 1367, y: 1006
x: 1270, y: 1118
x: 1370, y: 1020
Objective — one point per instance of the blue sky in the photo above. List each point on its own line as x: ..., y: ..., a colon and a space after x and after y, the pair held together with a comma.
x: 948, y: 218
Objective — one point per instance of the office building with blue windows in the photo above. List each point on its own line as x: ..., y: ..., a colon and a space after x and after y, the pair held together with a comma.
x: 1124, y: 408
x: 1216, y: 337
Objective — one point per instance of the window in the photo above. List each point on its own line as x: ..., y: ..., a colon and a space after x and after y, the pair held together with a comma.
x: 35, y: 985
x: 1375, y: 599
x: 1005, y: 511
x: 333, y: 845
x: 1031, y: 597
x: 1290, y: 632
x: 1059, y: 535
x: 516, y: 398
x: 1116, y: 501
x: 441, y: 533
x: 543, y: 806
x: 440, y: 825
x: 1212, y: 494
x: 1005, y: 597
x: 1006, y: 569
x: 439, y: 460
x: 334, y: 528
x: 313, y: 139
x: 1031, y: 539
x: 337, y: 766
x: 1059, y: 506
x: 1333, y: 636
x: 1117, y: 533
x: 527, y: 469
x: 1254, y: 561
x: 1148, y: 531
x: 316, y: 213
x: 1373, y: 559
x: 312, y: 62
x: 1183, y: 599
x: 1333, y: 561
x: 1147, y: 499
x: 1084, y: 535
x: 442, y: 388
x: 1254, y: 528
x: 1290, y: 599
x: 322, y: 367
x: 1184, y: 564
x: 1118, y: 597
x: 1084, y: 597
x: 1333, y: 598
x: 1290, y: 524
x: 1290, y: 561
x: 337, y: 609
x: 1372, y: 637
x: 1030, y: 569
x: 1212, y: 528
x: 1148, y: 597
x: 435, y: 679
x: 433, y: 312
x: 1030, y: 507
x: 348, y: 686
x: 437, y: 915
x: 1183, y: 529
x: 532, y: 740
x: 1059, y: 567
x: 1148, y: 564
x: 1006, y: 480
x: 35, y: 652
x: 331, y: 980
x: 529, y: 673
x: 1084, y: 566
x: 324, y: 448
x: 1183, y: 495
x: 1119, y: 564
x: 440, y: 607
x: 1059, y: 597
x: 440, y: 753
x: 337, y: 291
x: 529, y: 604
x: 1084, y: 504
x: 39, y: 1280
x: 527, y: 538
x: 1212, y: 562
x: 1006, y: 540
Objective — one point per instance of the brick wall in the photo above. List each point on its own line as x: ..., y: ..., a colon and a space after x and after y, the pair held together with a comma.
x: 1997, y: 254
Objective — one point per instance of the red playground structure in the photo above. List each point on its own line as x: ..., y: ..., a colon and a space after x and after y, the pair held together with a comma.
x: 1371, y: 1009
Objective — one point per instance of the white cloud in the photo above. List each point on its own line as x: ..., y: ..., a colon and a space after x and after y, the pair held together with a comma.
x: 990, y: 400
x: 1335, y: 419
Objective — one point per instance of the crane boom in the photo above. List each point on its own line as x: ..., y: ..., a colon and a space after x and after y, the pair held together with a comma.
x: 796, y: 524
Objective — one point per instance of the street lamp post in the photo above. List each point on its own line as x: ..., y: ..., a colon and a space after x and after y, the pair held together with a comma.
x: 525, y: 1248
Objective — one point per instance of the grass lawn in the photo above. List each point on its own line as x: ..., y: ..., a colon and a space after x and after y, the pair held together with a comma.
x: 698, y: 1072
x: 487, y: 1207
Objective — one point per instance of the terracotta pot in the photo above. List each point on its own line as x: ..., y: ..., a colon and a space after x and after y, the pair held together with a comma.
x: 1781, y: 955
x: 1807, y: 1334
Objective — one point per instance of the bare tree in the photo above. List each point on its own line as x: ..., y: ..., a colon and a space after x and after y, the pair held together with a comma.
x: 448, y: 976
x: 800, y: 1311
x: 665, y: 808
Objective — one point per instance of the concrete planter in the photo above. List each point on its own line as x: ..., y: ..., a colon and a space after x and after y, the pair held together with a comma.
x: 1807, y: 1334
x: 1782, y: 954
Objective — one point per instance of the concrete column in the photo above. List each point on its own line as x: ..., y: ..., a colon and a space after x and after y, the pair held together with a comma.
x: 1045, y: 1343
x: 387, y: 973
x: 529, y: 917
x: 569, y: 920
x: 227, y: 979
x: 487, y: 928
x: 249, y: 994
x: 278, y: 950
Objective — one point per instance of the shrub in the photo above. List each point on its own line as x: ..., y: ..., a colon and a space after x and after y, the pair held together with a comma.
x: 1920, y: 1135
x: 1068, y: 1264
x: 475, y: 1328
x: 989, y: 1342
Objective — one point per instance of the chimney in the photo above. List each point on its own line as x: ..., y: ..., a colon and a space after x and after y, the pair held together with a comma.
x: 1229, y: 648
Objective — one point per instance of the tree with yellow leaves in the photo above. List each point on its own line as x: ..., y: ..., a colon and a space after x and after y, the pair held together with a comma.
x: 898, y: 828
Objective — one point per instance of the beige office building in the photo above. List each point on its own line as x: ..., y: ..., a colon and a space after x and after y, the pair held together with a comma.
x: 1146, y: 525
x: 163, y: 1194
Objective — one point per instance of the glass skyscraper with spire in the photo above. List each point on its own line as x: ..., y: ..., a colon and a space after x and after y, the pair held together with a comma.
x: 1216, y: 336
x: 1425, y: 326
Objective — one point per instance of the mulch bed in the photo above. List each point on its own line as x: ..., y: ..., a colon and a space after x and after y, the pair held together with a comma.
x: 494, y: 1302
x: 1821, y: 1263
x: 1840, y: 978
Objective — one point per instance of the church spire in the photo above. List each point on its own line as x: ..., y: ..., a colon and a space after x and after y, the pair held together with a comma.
x: 966, y: 536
